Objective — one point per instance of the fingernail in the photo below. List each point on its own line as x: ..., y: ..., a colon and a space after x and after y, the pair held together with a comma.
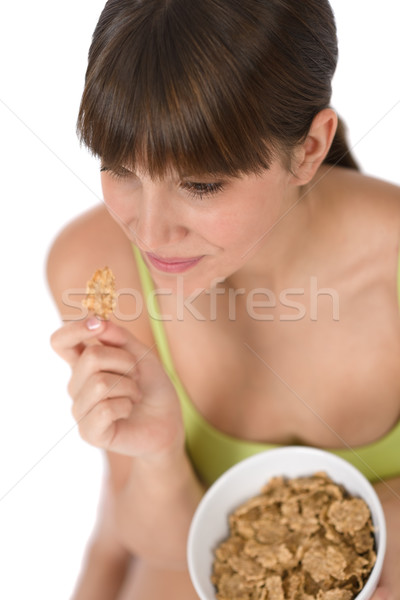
x: 93, y: 323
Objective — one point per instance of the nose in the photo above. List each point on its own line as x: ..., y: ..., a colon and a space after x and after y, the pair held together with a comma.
x: 157, y: 219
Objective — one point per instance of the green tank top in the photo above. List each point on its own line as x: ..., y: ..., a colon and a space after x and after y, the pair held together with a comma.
x: 212, y: 452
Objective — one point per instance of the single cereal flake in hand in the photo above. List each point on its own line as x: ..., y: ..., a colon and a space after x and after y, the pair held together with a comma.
x: 100, y: 293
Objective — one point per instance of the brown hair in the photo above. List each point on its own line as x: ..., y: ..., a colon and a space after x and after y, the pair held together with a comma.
x: 208, y: 86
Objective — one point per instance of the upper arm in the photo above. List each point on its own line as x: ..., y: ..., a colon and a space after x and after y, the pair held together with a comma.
x: 90, y: 242
x: 68, y: 258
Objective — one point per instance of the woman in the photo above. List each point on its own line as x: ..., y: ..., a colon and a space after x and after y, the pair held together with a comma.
x: 268, y: 261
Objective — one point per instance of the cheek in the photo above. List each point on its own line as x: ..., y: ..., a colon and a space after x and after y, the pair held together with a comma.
x: 241, y: 227
x: 119, y: 200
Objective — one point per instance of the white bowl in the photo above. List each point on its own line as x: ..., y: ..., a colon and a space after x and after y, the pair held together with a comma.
x: 210, y: 526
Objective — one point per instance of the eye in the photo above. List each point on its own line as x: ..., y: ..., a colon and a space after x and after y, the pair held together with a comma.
x: 117, y: 172
x: 199, y: 190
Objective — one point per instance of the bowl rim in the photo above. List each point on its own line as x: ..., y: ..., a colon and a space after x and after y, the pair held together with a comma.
x: 299, y: 451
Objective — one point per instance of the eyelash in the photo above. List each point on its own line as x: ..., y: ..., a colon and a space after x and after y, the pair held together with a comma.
x: 200, y: 190
x: 121, y: 173
x: 194, y: 189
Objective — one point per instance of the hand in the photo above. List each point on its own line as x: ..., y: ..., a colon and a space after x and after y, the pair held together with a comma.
x: 123, y: 401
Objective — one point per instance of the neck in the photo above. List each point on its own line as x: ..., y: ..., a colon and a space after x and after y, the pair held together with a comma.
x: 270, y: 261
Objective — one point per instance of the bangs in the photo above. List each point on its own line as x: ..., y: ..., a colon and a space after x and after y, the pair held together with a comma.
x: 161, y: 96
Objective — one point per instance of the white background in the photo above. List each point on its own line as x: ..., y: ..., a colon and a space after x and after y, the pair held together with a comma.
x: 49, y: 478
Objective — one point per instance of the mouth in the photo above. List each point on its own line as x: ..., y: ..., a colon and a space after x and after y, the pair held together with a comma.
x: 172, y: 265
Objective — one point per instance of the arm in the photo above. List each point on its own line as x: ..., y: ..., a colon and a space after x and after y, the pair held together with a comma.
x: 156, y: 506
x: 78, y: 250
x: 125, y: 403
x: 101, y: 577
x: 389, y: 495
x: 106, y: 561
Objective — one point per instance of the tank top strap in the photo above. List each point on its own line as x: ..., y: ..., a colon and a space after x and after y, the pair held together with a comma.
x: 153, y: 310
x: 398, y: 279
x: 157, y: 327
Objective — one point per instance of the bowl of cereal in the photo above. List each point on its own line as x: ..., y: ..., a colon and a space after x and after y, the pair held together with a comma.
x: 288, y: 523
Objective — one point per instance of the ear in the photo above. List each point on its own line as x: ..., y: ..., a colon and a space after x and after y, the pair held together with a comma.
x: 310, y: 154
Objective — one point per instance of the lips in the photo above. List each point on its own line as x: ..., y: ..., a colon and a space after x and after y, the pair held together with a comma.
x: 172, y: 265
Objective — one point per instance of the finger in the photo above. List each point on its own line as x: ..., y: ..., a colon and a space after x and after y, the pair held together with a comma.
x: 99, y: 425
x: 70, y: 340
x: 146, y: 360
x: 155, y: 383
x: 97, y: 358
x: 114, y: 335
x: 104, y: 386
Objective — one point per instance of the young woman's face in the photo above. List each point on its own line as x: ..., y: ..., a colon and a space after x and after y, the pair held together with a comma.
x: 201, y: 228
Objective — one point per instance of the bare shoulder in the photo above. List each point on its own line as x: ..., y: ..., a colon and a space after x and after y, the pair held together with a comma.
x: 359, y: 212
x: 362, y: 197
x: 92, y: 241
x: 357, y: 220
